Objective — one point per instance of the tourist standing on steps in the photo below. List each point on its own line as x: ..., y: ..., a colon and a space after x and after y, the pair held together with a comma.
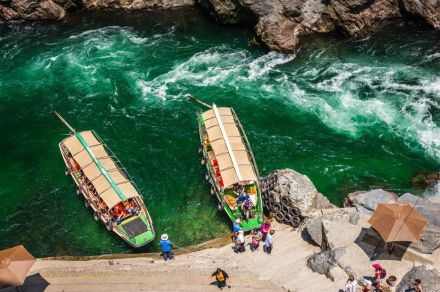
x: 240, y: 242
x: 418, y: 285
x: 221, y: 277
x: 166, y: 244
x: 235, y: 228
x: 256, y: 237
x: 268, y: 243
x: 351, y: 284
x: 265, y: 228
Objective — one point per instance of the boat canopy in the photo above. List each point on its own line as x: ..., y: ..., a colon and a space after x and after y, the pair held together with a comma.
x: 110, y: 182
x: 227, y: 144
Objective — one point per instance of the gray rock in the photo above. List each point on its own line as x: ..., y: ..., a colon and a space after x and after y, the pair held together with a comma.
x: 366, y: 202
x: 430, y: 238
x: 301, y: 191
x: 354, y: 218
x: 324, y: 261
x: 314, y: 226
x: 429, y: 276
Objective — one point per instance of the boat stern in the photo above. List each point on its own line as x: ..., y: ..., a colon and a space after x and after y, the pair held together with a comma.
x: 138, y: 231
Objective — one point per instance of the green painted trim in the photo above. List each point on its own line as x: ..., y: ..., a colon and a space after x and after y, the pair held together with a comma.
x: 101, y: 168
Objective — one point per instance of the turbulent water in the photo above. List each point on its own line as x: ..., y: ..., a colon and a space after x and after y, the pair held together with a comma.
x: 350, y: 114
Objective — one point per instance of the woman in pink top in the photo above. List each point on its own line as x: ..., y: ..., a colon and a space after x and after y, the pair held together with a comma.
x: 265, y: 228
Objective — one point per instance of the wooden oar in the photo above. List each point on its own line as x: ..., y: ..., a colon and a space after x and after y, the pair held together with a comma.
x: 198, y: 101
x: 65, y: 123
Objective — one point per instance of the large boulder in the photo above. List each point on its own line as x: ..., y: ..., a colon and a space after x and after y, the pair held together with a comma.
x: 366, y: 202
x: 301, y: 191
x: 325, y: 261
x: 429, y: 276
x: 430, y: 238
x: 428, y: 9
x: 314, y: 226
x: 34, y: 10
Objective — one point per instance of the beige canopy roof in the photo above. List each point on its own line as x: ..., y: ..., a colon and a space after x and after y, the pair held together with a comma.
x: 228, y: 147
x: 99, y: 167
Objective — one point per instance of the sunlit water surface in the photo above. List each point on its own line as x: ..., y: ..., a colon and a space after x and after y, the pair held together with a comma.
x: 350, y: 114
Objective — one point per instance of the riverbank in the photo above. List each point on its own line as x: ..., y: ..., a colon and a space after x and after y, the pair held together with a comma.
x: 284, y: 269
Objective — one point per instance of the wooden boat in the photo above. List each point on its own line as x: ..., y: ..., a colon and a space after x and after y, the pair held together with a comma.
x: 106, y: 186
x: 230, y: 164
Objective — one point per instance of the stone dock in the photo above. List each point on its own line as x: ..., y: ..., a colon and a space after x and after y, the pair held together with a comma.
x: 284, y: 270
x: 331, y: 244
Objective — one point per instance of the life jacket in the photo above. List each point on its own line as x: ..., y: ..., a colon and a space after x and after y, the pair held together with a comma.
x: 220, y: 276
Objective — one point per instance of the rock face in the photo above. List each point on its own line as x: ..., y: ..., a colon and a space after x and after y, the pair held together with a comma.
x: 324, y: 261
x: 35, y: 9
x: 429, y: 276
x: 314, y: 226
x: 282, y: 24
x: 366, y: 202
x: 426, y: 180
x: 134, y: 4
x: 57, y: 9
x: 301, y: 191
x: 428, y: 9
x: 430, y: 238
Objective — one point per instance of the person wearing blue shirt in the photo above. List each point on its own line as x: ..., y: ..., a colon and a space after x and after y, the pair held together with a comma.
x: 242, y: 197
x: 166, y: 244
x: 235, y: 228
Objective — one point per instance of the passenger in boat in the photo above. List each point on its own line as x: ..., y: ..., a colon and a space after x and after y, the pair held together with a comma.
x: 246, y: 209
x: 241, y: 196
x: 118, y: 213
x: 74, y: 166
x: 131, y: 207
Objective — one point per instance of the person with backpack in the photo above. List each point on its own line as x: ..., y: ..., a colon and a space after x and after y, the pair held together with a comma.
x: 221, y: 277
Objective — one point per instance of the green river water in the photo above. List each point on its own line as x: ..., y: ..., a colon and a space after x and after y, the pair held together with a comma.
x: 350, y: 114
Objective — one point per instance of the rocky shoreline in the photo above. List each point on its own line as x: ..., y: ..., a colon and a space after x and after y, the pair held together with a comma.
x: 279, y: 25
x: 347, y: 240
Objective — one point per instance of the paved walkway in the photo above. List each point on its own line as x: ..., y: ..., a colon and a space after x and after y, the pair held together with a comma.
x: 285, y: 269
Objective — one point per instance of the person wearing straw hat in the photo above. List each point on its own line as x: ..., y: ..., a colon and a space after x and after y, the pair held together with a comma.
x: 166, y: 244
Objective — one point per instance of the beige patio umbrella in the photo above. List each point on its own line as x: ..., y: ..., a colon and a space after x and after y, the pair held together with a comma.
x: 15, y: 263
x: 398, y: 222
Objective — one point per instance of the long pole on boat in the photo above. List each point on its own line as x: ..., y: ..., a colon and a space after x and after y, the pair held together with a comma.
x: 198, y: 101
x: 65, y: 123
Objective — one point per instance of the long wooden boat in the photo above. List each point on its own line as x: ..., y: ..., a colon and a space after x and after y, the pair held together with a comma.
x: 230, y: 164
x: 106, y: 186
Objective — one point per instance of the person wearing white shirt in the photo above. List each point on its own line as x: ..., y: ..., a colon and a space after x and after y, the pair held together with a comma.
x: 351, y: 284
